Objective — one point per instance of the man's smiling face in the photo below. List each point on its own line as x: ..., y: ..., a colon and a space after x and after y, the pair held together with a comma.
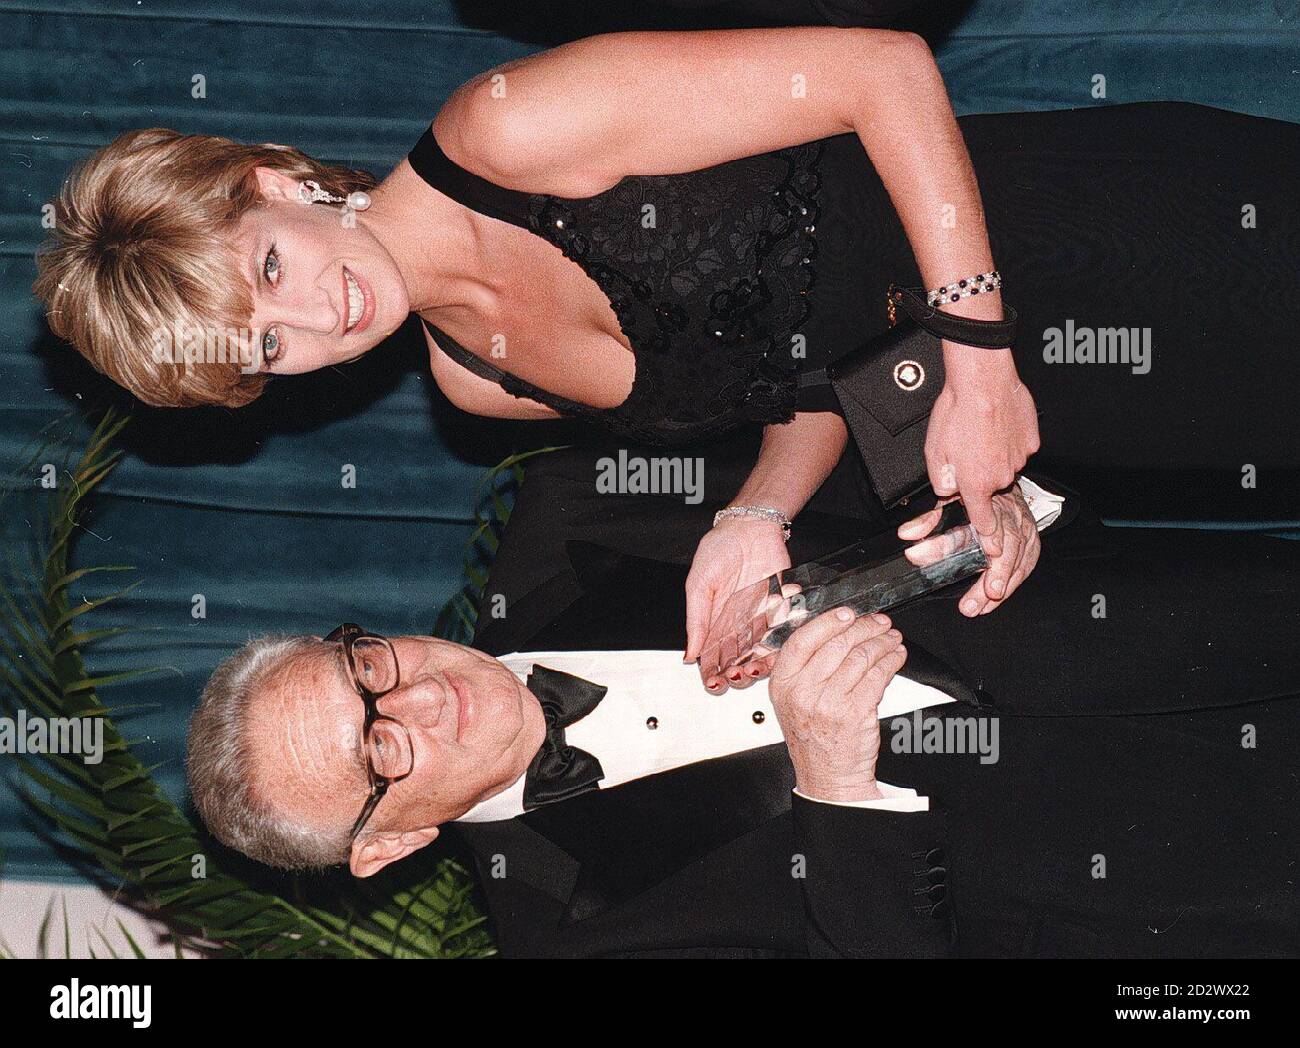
x: 473, y: 728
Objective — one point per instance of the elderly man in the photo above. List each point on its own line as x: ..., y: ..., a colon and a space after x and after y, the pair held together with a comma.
x: 1108, y: 784
x: 357, y: 748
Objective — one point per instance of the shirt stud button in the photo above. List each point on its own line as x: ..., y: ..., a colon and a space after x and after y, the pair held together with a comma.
x: 759, y: 716
x: 652, y: 723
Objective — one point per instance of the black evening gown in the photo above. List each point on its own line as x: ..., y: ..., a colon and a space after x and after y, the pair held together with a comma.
x: 1151, y: 250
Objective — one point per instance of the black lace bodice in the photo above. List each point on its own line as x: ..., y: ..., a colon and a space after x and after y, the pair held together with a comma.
x: 709, y: 273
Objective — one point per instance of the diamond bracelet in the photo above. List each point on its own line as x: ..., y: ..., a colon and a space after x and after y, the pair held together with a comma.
x: 757, y: 512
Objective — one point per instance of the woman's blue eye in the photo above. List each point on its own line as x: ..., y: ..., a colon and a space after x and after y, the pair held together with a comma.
x: 271, y: 340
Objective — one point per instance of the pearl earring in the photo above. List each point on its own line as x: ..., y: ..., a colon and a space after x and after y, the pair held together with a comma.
x: 311, y: 193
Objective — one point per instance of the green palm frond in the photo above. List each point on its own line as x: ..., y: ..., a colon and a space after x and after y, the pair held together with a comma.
x: 130, y: 834
x: 492, y: 504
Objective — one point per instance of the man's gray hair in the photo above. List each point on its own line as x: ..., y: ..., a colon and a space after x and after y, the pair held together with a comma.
x: 219, y: 765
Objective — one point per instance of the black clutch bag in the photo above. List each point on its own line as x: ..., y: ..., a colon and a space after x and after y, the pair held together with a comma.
x: 887, y: 388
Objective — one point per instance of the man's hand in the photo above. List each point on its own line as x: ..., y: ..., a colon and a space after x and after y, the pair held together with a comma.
x: 826, y: 688
x: 1016, y: 534
x: 982, y: 430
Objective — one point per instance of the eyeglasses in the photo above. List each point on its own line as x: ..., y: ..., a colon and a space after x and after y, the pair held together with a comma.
x: 372, y: 668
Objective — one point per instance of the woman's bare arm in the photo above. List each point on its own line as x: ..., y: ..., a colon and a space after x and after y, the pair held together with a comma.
x: 660, y: 103
x: 576, y: 119
x: 795, y: 458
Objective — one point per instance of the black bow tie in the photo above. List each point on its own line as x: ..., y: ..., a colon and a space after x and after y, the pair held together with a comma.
x: 560, y: 771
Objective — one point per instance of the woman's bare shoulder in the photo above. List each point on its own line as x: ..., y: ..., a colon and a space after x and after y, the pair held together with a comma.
x: 490, y: 128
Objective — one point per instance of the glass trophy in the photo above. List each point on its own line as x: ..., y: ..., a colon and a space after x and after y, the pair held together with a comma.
x: 757, y: 620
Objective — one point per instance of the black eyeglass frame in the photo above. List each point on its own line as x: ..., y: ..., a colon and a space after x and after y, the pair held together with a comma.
x: 347, y: 635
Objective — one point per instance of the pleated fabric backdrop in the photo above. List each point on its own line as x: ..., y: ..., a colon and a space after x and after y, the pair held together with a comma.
x: 248, y: 509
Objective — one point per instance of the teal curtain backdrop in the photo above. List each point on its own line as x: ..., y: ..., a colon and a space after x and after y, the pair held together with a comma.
x: 248, y: 509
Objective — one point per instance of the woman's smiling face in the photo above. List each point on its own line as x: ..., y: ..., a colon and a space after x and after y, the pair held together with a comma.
x: 324, y: 290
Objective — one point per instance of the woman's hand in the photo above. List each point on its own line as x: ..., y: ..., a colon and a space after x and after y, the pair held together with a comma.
x: 1016, y: 533
x: 796, y: 457
x: 983, y: 429
x: 735, y: 553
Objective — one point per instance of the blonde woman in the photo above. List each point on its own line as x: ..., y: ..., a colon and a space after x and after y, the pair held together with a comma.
x: 702, y: 190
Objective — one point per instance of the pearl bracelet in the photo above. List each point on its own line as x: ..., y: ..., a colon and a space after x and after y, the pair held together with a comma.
x: 758, y: 513
x: 964, y: 288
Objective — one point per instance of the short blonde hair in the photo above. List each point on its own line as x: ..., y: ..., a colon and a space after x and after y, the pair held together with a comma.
x: 143, y: 244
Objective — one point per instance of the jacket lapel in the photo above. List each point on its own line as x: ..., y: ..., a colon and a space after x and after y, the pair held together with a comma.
x: 527, y: 616
x: 528, y: 855
x: 625, y: 840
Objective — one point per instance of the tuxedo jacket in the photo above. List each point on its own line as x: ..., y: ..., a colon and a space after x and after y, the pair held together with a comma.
x: 715, y: 858
x: 1122, y: 817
